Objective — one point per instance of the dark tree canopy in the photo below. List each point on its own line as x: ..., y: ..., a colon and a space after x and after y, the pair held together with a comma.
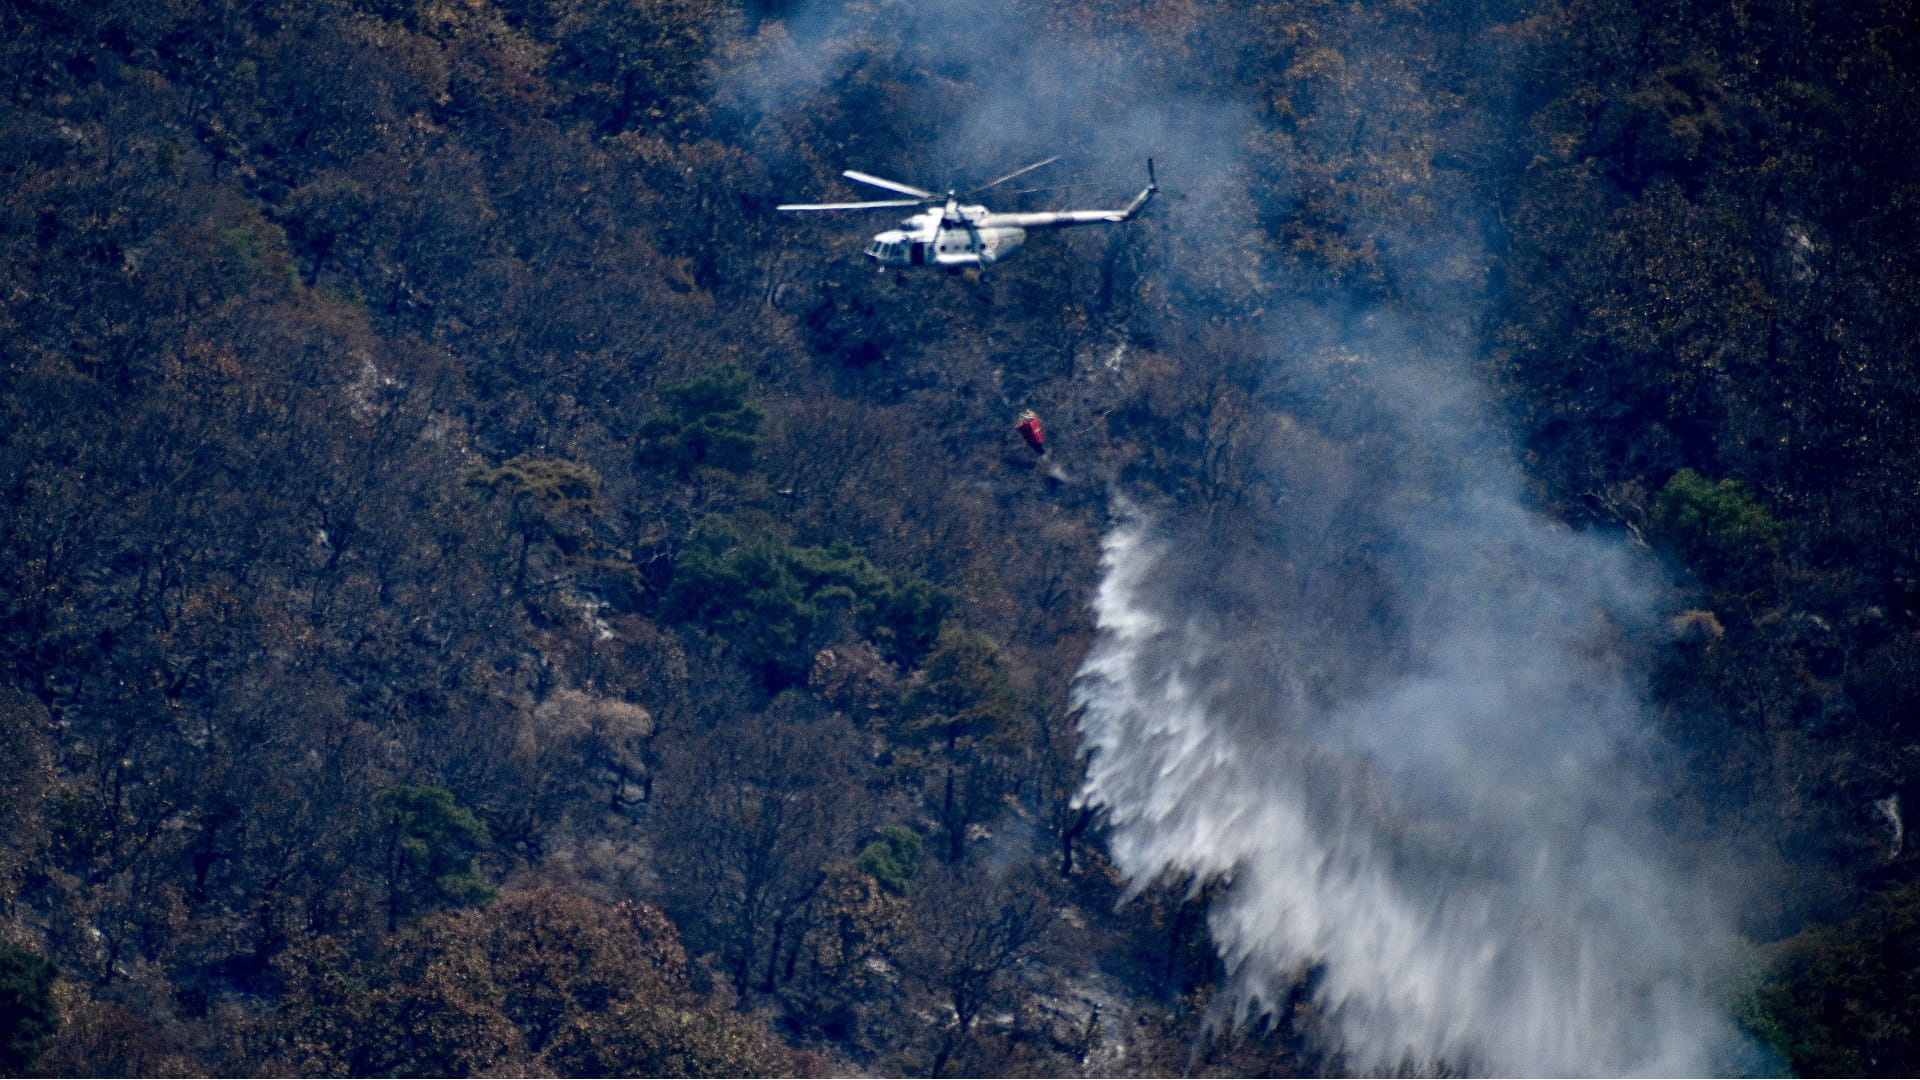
x: 27, y: 1015
x: 483, y: 590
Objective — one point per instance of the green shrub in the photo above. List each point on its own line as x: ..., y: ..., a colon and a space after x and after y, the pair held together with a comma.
x: 1844, y: 1000
x: 1713, y: 525
x: 892, y: 859
x: 27, y: 1015
x: 967, y: 693
x: 774, y: 602
x: 430, y: 844
x: 707, y: 421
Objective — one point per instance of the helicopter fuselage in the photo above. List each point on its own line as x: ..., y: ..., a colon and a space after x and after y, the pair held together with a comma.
x: 923, y: 240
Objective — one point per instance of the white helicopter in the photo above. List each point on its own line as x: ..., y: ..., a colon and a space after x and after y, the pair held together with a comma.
x: 948, y: 234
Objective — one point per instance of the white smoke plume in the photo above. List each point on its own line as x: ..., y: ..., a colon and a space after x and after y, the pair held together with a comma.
x: 1398, y: 713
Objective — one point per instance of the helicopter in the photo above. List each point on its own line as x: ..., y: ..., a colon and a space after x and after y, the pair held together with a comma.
x: 960, y: 236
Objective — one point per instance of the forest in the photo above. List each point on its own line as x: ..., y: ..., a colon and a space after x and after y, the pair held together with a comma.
x: 484, y: 592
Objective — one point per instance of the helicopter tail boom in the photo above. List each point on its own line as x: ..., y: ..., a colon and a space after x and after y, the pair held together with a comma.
x: 1055, y: 219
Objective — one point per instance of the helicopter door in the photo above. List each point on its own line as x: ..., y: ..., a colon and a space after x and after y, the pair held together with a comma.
x: 919, y: 255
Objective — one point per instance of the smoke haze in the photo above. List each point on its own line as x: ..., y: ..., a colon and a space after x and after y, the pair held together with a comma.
x: 1395, y: 711
x: 1399, y: 716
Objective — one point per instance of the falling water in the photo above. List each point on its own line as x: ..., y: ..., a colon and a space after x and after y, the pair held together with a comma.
x: 1399, y: 715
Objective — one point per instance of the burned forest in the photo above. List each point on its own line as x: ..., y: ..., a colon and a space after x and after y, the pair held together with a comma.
x: 1435, y: 592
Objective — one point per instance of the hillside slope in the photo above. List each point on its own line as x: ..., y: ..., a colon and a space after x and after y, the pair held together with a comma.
x: 447, y: 506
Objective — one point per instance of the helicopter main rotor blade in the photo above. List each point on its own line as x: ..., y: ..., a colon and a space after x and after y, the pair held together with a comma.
x: 890, y: 185
x: 848, y: 205
x: 1014, y: 173
x: 1049, y: 187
